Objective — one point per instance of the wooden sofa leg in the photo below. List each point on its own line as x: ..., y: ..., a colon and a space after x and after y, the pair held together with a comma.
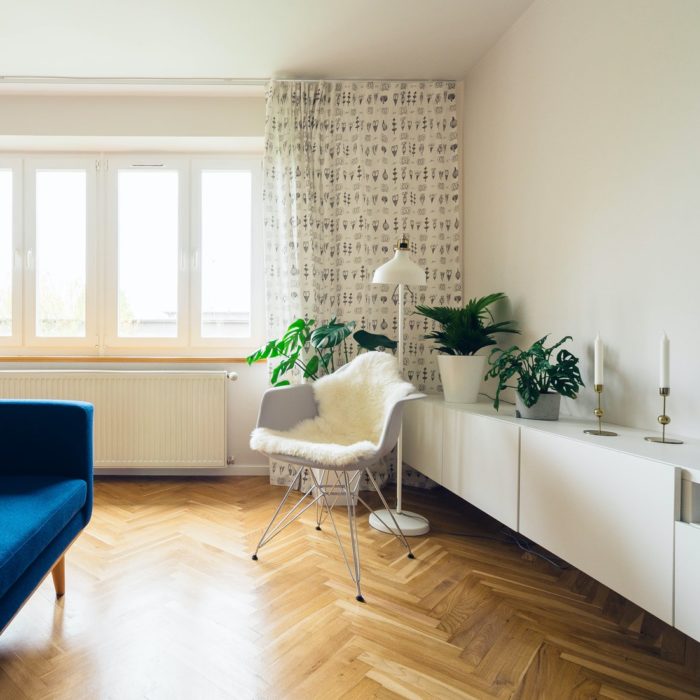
x: 59, y: 576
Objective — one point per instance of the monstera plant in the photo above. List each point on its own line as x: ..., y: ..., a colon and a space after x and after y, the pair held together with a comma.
x: 540, y: 382
x: 315, y: 350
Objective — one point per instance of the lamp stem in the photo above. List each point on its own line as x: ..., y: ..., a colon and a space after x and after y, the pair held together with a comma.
x: 399, y: 444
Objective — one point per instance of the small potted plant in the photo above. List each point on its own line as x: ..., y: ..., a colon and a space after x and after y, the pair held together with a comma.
x: 540, y: 382
x: 461, y: 333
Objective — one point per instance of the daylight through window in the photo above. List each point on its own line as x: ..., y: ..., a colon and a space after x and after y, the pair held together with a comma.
x: 123, y: 252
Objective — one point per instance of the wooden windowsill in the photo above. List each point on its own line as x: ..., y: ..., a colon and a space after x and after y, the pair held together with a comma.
x: 118, y: 359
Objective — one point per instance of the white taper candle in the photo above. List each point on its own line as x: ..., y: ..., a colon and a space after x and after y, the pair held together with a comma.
x: 665, y: 363
x: 598, y: 359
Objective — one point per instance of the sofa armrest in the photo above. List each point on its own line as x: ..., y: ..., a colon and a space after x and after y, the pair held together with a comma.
x: 50, y: 438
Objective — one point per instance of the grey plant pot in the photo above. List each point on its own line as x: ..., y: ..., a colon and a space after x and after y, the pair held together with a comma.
x: 545, y: 408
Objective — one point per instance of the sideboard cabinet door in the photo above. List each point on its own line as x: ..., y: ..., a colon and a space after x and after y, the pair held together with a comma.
x: 687, y: 613
x: 607, y: 513
x: 480, y: 463
x: 422, y: 437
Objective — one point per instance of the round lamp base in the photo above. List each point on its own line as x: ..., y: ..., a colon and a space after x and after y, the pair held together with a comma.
x: 411, y: 524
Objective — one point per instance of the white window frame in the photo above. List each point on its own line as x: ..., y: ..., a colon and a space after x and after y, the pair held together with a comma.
x: 31, y: 166
x: 14, y: 165
x: 158, y: 163
x: 101, y: 275
x: 257, y: 321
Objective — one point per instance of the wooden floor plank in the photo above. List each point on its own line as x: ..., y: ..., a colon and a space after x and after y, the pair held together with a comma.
x: 163, y: 601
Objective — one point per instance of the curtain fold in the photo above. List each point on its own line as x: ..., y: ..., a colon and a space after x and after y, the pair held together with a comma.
x: 349, y: 167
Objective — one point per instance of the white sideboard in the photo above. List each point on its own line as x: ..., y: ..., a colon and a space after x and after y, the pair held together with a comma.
x: 687, y: 607
x: 610, y: 506
x: 609, y: 514
x: 422, y: 437
x: 480, y: 463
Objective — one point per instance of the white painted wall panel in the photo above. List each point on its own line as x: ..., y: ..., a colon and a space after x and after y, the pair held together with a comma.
x: 581, y: 184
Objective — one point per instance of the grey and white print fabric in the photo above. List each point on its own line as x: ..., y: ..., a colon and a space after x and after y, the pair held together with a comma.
x: 349, y: 167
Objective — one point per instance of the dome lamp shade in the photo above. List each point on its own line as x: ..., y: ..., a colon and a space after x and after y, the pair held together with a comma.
x: 400, y: 269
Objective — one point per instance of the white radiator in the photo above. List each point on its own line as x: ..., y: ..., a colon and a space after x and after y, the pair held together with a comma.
x: 142, y: 419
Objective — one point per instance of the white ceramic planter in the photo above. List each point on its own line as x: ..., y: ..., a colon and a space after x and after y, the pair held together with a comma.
x: 461, y: 376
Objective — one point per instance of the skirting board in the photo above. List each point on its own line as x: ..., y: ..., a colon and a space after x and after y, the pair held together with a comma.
x: 233, y: 470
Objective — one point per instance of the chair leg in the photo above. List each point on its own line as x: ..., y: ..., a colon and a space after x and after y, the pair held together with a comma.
x: 319, y: 513
x: 297, y: 477
x: 398, y: 534
x: 354, y: 571
x: 59, y: 576
x: 352, y: 522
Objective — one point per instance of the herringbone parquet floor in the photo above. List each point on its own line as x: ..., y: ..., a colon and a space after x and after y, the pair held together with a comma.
x: 163, y: 601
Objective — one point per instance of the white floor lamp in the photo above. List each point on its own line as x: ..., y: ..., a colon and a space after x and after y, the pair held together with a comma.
x: 400, y: 270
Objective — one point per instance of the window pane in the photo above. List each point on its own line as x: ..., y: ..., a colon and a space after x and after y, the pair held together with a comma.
x: 61, y: 228
x: 147, y: 232
x: 6, y: 252
x: 226, y: 263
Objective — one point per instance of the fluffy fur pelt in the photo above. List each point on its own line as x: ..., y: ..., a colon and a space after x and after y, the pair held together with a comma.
x: 353, y: 406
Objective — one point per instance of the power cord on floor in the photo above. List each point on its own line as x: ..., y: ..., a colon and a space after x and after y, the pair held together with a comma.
x: 511, y: 537
x: 527, y: 546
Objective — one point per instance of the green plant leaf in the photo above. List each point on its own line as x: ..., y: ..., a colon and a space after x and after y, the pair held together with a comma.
x: 288, y: 347
x: 373, y: 341
x: 275, y: 375
x: 535, y: 371
x: 331, y: 334
x: 311, y: 368
x: 296, y: 336
x: 268, y: 350
x: 284, y: 382
x: 464, y: 331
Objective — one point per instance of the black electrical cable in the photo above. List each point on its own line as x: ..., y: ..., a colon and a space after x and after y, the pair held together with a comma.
x: 510, y: 537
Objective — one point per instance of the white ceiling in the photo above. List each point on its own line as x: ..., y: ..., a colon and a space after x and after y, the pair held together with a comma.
x: 250, y: 39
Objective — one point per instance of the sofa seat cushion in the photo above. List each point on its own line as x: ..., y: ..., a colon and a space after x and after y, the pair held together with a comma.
x: 33, y: 511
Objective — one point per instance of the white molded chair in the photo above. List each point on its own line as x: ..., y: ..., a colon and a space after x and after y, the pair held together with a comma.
x: 343, y: 424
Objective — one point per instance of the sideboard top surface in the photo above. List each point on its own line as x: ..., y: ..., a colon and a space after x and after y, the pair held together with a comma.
x: 629, y: 440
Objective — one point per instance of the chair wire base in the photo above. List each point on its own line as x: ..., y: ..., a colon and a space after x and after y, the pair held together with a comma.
x: 325, y: 496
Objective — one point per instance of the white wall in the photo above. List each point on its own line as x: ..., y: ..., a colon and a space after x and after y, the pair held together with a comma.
x: 582, y: 190
x: 107, y: 115
x: 244, y: 401
x: 191, y: 120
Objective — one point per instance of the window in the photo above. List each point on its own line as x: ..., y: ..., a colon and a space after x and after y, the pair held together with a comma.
x: 225, y: 258
x: 10, y: 250
x: 148, y: 246
x: 7, y: 248
x: 58, y: 256
x: 119, y: 252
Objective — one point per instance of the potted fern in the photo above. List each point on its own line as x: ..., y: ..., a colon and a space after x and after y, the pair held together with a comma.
x: 540, y: 381
x: 461, y: 333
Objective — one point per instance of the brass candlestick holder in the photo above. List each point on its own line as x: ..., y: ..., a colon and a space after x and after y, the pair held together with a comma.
x: 664, y: 420
x: 598, y: 413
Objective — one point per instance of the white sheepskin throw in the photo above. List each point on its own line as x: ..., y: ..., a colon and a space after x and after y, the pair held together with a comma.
x: 353, y: 406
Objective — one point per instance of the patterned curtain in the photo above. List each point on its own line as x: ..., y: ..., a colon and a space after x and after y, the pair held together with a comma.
x: 349, y: 167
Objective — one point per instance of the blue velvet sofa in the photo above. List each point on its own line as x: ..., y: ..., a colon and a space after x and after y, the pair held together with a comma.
x: 45, y: 493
